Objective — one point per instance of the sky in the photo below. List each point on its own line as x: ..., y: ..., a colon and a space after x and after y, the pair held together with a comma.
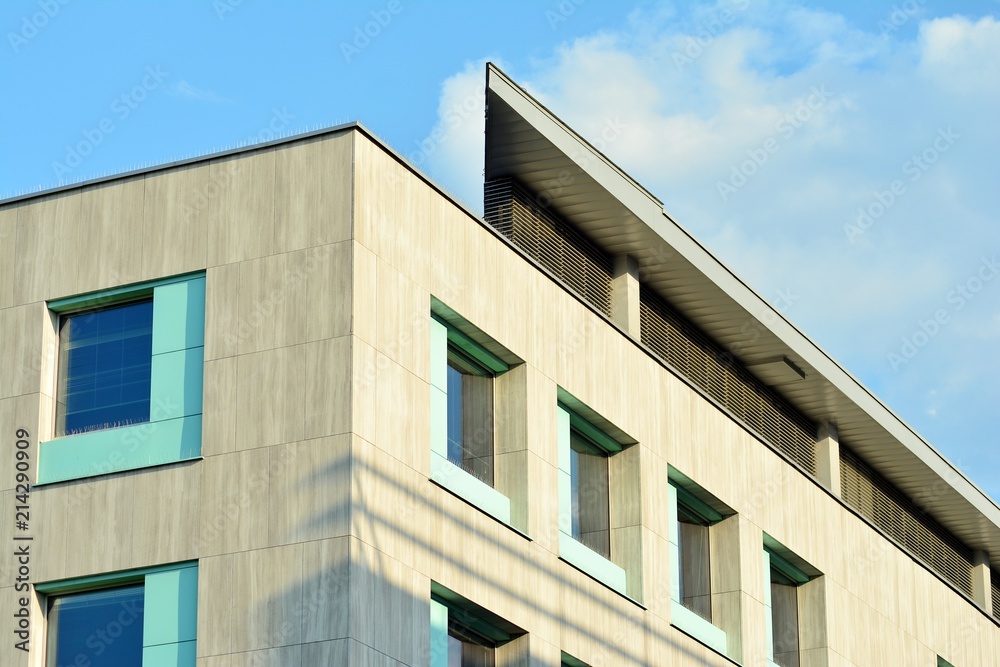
x: 838, y: 156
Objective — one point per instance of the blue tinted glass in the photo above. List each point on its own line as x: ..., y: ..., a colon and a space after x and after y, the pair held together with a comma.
x: 454, y: 415
x: 99, y: 628
x: 104, y: 361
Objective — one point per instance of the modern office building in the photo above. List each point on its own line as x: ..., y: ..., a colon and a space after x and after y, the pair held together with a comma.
x: 295, y: 405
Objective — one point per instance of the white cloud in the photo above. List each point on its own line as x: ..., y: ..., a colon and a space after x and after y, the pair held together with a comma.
x: 699, y: 97
x: 184, y: 89
x: 961, y: 53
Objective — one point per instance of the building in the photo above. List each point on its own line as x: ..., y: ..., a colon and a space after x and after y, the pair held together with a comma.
x: 293, y: 405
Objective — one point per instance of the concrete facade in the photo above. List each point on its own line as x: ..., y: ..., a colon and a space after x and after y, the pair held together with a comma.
x: 311, y: 514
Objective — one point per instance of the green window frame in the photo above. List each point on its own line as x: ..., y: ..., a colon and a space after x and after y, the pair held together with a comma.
x: 455, y: 618
x: 579, y: 437
x: 465, y: 467
x: 170, y: 618
x: 686, y: 507
x: 173, y: 432
x: 782, y: 577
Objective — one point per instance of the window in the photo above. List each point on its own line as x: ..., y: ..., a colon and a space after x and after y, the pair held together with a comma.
x: 127, y: 389
x: 589, y: 484
x: 470, y: 414
x: 464, y: 634
x: 464, y: 375
x: 590, y: 458
x: 694, y: 517
x: 787, y: 582
x: 143, y: 617
x: 104, y: 362
x: 111, y: 620
x: 566, y: 660
x: 468, y: 648
x: 694, y: 553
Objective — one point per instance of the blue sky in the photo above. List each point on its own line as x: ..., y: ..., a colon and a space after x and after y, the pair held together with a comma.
x: 841, y: 157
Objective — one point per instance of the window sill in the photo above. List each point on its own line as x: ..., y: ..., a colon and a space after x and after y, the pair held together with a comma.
x: 591, y: 563
x: 114, y: 450
x: 449, y: 476
x: 694, y: 625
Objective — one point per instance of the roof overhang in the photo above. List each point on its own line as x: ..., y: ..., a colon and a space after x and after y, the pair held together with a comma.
x: 526, y: 141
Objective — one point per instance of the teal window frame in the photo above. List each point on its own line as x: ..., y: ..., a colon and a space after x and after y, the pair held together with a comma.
x: 173, y: 432
x: 680, y: 616
x: 445, y: 604
x: 170, y: 617
x: 444, y: 472
x: 572, y: 550
x: 566, y: 660
x: 791, y: 575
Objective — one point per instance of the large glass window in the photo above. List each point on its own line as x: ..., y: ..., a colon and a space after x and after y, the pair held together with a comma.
x: 468, y: 648
x: 464, y: 373
x: 590, y: 457
x: 104, y: 368
x: 470, y: 415
x: 787, y: 577
x: 784, y: 619
x: 129, y: 380
x: 591, y: 521
x: 98, y: 628
x: 695, y: 561
x: 694, y: 517
x: 463, y: 634
x: 139, y: 618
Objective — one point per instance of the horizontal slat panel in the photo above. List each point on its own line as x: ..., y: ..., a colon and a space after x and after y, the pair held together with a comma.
x: 876, y: 499
x: 705, y: 363
x: 995, y: 584
x: 556, y: 245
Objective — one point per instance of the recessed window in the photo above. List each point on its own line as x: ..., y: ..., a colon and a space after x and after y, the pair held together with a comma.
x: 701, y: 533
x: 104, y: 368
x: 139, y: 618
x: 470, y: 415
x: 788, y: 577
x: 104, y: 626
x: 590, y: 503
x: 466, y: 369
x: 468, y: 648
x: 784, y: 619
x: 695, y: 556
x: 128, y: 381
x: 593, y: 455
x: 464, y: 634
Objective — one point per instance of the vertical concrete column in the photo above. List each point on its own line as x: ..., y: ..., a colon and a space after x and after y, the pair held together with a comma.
x: 625, y: 294
x: 828, y: 457
x: 981, y: 590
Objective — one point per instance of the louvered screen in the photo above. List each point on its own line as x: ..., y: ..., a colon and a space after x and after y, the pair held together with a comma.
x: 703, y: 361
x: 556, y: 245
x: 995, y: 585
x: 876, y: 499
